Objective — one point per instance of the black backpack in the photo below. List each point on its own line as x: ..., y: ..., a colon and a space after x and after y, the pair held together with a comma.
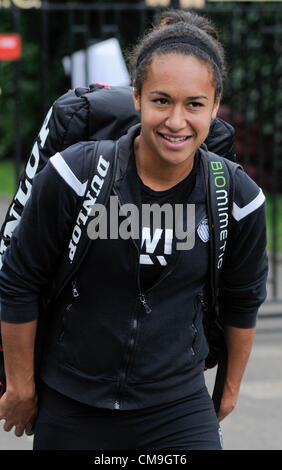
x: 103, y: 114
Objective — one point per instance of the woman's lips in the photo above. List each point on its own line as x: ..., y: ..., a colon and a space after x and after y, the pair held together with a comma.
x: 174, y: 141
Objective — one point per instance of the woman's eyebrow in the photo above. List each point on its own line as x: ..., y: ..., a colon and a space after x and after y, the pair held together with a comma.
x: 167, y: 95
x: 197, y: 97
x: 157, y: 92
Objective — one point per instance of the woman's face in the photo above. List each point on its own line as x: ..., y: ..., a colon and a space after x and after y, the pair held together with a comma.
x: 177, y: 104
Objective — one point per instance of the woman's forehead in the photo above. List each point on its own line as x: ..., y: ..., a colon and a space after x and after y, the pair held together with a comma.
x: 179, y: 72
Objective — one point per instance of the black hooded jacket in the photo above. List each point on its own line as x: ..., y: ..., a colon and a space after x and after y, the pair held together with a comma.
x: 109, y: 344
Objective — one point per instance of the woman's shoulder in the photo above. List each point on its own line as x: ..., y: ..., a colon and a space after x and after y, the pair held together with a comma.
x: 248, y: 196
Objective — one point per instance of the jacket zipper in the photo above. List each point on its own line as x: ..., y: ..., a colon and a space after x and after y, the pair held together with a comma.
x: 143, y: 301
x: 74, y: 288
x: 148, y: 310
x: 123, y: 373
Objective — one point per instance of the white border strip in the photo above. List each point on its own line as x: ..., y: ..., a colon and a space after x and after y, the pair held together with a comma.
x: 66, y: 173
x: 241, y: 212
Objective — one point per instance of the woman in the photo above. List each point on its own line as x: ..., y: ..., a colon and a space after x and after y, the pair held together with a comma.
x: 125, y: 348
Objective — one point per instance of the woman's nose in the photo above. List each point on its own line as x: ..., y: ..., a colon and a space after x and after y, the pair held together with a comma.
x: 176, y: 119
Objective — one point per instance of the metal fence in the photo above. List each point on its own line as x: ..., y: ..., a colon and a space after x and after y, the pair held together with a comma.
x: 252, y: 35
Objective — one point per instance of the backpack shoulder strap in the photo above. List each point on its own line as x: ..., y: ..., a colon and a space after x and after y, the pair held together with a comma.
x: 102, y: 169
x: 220, y: 194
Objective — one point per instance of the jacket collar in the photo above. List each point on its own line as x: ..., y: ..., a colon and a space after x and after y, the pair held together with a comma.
x: 125, y: 152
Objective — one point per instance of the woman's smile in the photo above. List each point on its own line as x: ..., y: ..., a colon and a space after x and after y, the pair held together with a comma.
x: 174, y: 141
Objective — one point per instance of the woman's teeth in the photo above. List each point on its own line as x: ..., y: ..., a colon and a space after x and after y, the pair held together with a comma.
x: 174, y: 139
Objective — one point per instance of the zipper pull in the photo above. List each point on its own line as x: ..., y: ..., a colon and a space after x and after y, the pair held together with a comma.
x: 204, y: 303
x: 144, y: 303
x: 74, y: 289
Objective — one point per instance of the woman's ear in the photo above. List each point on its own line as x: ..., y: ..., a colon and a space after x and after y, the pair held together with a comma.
x: 215, y: 107
x: 137, y: 100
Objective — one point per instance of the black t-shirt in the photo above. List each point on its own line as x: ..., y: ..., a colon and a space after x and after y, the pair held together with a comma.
x: 157, y: 247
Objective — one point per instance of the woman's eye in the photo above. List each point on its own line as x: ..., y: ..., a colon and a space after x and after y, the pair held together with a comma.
x: 160, y: 101
x: 195, y: 104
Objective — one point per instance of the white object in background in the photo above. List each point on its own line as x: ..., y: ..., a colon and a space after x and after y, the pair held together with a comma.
x: 105, y: 64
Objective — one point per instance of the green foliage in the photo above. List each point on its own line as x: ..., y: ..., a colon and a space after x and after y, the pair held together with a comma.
x: 7, y: 178
x: 252, y: 36
x: 274, y: 230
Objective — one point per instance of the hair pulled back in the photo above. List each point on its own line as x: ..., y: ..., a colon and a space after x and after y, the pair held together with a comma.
x: 179, y: 24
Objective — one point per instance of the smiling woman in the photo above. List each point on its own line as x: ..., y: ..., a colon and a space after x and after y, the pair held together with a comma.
x: 125, y: 348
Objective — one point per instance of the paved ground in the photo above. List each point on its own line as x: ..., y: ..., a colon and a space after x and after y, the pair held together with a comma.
x: 255, y: 424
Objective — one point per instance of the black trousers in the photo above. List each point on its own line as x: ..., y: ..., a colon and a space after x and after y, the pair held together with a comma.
x: 186, y: 424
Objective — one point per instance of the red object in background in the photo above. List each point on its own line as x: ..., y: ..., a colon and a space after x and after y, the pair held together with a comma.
x: 10, y: 46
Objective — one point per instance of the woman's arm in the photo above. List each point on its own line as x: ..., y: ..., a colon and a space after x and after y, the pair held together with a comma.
x: 18, y: 405
x: 29, y: 264
x: 239, y: 344
x: 243, y: 283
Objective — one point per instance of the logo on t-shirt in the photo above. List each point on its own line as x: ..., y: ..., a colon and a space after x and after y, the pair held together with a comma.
x: 154, y: 249
x: 203, y: 231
